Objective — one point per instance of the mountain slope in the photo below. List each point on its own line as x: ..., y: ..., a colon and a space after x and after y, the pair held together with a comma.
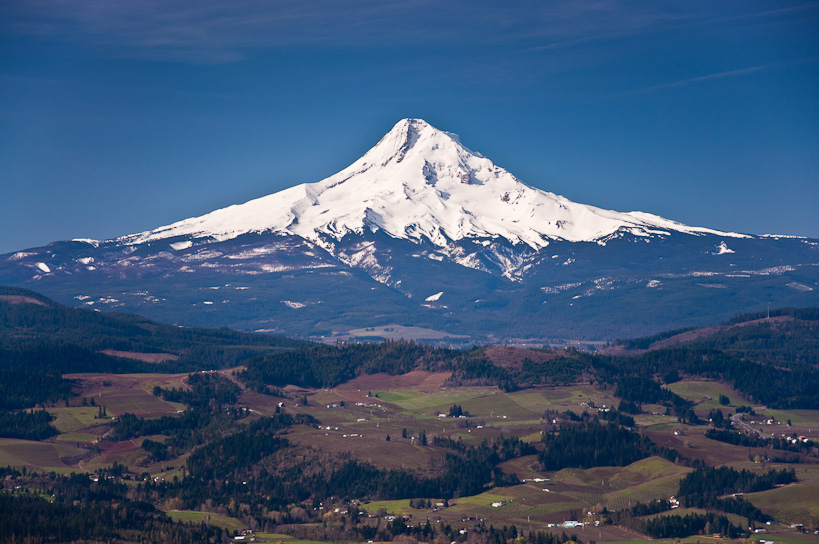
x: 32, y: 323
x: 420, y: 183
x: 422, y: 231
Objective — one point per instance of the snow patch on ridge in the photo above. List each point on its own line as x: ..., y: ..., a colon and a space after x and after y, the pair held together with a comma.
x: 723, y: 249
x: 88, y: 241
x: 178, y: 246
x: 433, y: 298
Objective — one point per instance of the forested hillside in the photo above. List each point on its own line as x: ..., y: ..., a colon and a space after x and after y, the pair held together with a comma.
x: 29, y: 319
x: 365, y: 441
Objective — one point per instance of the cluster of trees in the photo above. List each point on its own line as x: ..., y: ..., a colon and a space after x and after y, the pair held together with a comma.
x: 690, y: 524
x: 28, y: 518
x: 760, y: 379
x: 158, y: 450
x: 463, y: 474
x: 637, y: 390
x: 629, y: 407
x: 505, y: 534
x: 706, y: 488
x: 420, y: 504
x: 210, y: 415
x: 718, y: 419
x: 474, y: 368
x: 783, y: 343
x: 748, y: 441
x: 321, y: 365
x: 512, y: 447
x: 194, y: 424
x: 328, y: 366
x: 35, y: 425
x: 239, y: 451
x: 615, y: 416
x: 242, y: 468
x: 449, y: 443
x: 612, y: 415
x: 558, y: 370
x: 706, y: 482
x: 593, y: 444
x: 206, y: 389
x: 646, y: 341
x: 647, y: 509
x: 751, y: 358
x: 22, y: 387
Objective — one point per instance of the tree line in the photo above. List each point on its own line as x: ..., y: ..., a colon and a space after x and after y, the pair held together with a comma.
x: 593, y: 444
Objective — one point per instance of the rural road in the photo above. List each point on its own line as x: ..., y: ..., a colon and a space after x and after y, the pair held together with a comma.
x: 737, y: 421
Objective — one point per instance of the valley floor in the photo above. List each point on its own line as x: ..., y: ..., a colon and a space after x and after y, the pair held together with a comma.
x: 392, y: 423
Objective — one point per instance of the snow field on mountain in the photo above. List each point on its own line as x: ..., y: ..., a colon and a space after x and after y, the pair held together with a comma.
x: 420, y: 184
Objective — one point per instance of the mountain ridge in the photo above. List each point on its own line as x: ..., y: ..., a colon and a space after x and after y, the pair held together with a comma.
x: 420, y: 183
x: 423, y: 232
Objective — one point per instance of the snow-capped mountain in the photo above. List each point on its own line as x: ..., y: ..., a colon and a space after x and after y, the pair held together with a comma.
x: 421, y: 184
x: 423, y: 231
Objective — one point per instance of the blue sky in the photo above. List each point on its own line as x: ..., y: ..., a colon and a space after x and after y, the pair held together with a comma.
x: 118, y: 117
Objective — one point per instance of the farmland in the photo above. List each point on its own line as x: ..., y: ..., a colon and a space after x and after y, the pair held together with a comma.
x: 37, y: 455
x: 400, y: 441
x: 356, y: 421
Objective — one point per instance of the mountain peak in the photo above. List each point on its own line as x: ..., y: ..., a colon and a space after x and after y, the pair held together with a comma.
x: 404, y: 136
x: 411, y: 124
x: 419, y: 183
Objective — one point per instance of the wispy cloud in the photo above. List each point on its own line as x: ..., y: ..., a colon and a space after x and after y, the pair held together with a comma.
x: 718, y: 75
x: 205, y: 30
x: 658, y: 17
x: 217, y: 31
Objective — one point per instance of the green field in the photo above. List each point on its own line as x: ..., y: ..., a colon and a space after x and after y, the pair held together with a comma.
x: 498, y: 405
x: 417, y: 400
x: 619, y: 488
x: 661, y: 426
x: 396, y: 507
x: 791, y: 504
x: 706, y: 393
x: 803, y: 418
x: 569, y: 397
x: 135, y: 401
x: 77, y: 437
x: 219, y: 520
x: 38, y: 455
x: 75, y: 418
x: 524, y: 503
